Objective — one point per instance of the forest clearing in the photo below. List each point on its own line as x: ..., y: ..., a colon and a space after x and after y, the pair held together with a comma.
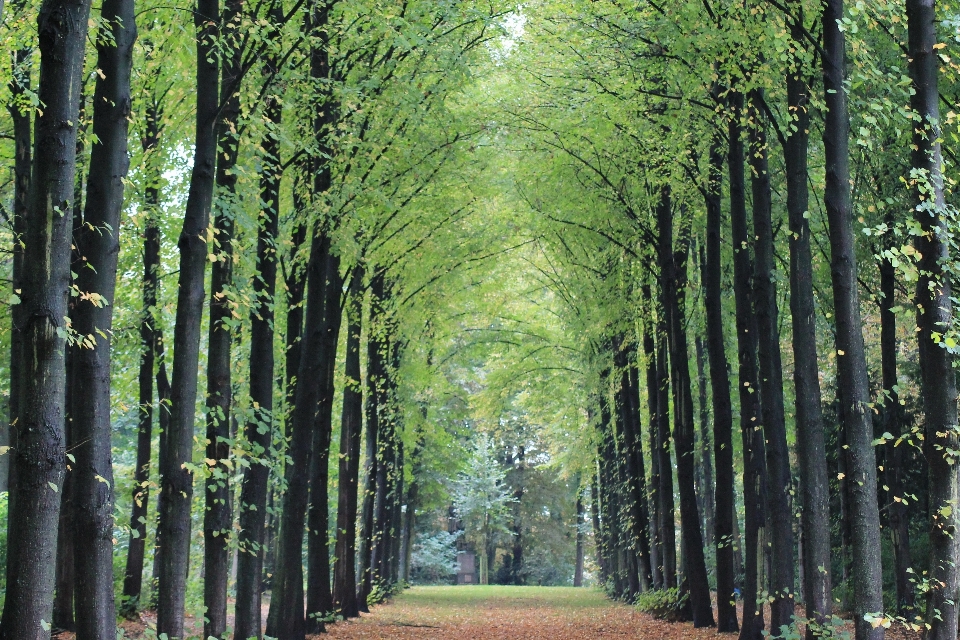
x: 559, y: 318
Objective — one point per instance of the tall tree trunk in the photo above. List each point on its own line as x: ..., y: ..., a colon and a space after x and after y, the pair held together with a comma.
x: 646, y: 577
x: 176, y: 481
x: 40, y: 455
x: 578, y: 562
x: 725, y: 503
x: 517, y: 575
x: 218, y: 515
x: 344, y: 569
x: 64, y: 597
x: 851, y: 359
x: 98, y: 244
x: 398, y: 494
x: 386, y: 444
x: 897, y: 516
x: 668, y: 531
x: 66, y: 571
x: 286, y: 619
x: 320, y: 406
x: 635, y: 481
x: 260, y: 428
x: 673, y: 265
x: 19, y: 87
x: 319, y: 594
x: 149, y: 343
x: 163, y: 424
x: 376, y: 355
x: 707, y: 488
x: 754, y: 468
x: 812, y: 458
x: 934, y: 313
x: 626, y: 475
x: 779, y: 486
x: 656, y: 543
x: 845, y: 525
x: 609, y: 509
x: 597, y: 526
x: 410, y: 514
x: 295, y: 279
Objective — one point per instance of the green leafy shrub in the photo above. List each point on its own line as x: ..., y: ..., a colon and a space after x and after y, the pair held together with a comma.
x: 664, y: 604
x: 796, y: 630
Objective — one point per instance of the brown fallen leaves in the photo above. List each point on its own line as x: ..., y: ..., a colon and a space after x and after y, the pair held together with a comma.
x: 521, y: 613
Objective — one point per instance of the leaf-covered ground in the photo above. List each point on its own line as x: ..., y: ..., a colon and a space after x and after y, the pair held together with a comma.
x: 496, y: 612
x: 521, y: 613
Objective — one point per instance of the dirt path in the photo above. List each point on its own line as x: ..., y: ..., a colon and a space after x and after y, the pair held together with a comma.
x: 509, y: 613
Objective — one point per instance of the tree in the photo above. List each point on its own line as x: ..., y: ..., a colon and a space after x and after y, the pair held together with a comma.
x: 40, y: 455
x: 481, y: 500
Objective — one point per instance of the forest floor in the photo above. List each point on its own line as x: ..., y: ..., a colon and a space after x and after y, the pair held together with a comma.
x: 508, y: 613
x: 495, y: 613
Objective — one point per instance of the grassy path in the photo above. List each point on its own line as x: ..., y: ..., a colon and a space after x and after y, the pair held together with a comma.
x: 508, y: 613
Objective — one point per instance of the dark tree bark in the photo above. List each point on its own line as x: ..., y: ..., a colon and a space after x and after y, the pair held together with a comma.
x: 722, y: 411
x: 66, y: 571
x: 656, y: 544
x: 395, y: 519
x: 578, y: 562
x: 646, y: 577
x: 851, y: 360
x: 779, y: 486
x: 897, y: 516
x: 754, y: 470
x: 609, y: 508
x: 517, y: 574
x: 596, y: 525
x: 635, y: 480
x: 19, y: 86
x: 376, y: 356
x: 149, y: 343
x: 286, y: 619
x: 176, y: 481
x: 294, y: 278
x: 410, y: 515
x: 673, y: 265
x: 98, y: 244
x: 321, y: 371
x: 668, y: 531
x: 217, y: 515
x: 626, y: 474
x: 163, y: 424
x: 812, y: 458
x: 40, y: 456
x: 934, y: 313
x: 618, y: 537
x: 64, y: 597
x: 319, y: 594
x: 386, y: 448
x: 344, y: 569
x: 259, y: 430
x: 706, y: 488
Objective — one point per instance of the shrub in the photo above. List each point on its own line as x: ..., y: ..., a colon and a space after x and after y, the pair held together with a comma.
x: 664, y: 604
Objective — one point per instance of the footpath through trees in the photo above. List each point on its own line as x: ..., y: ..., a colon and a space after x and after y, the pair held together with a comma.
x: 505, y: 612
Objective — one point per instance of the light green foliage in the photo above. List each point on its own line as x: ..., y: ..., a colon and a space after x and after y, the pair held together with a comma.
x: 662, y: 603
x: 435, y: 558
x: 481, y: 497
